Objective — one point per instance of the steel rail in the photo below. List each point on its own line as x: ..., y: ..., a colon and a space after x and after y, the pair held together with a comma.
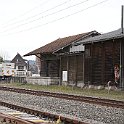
x: 92, y: 100
x: 13, y: 120
x: 66, y: 120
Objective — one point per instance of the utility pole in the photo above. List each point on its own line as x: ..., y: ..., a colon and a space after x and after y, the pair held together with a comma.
x: 122, y: 53
x: 122, y: 19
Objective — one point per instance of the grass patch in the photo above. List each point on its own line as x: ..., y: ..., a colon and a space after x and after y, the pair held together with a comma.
x: 118, y: 95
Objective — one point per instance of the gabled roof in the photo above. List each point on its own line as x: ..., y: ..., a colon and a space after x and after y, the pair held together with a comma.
x: 104, y: 37
x: 18, y: 60
x: 60, y: 43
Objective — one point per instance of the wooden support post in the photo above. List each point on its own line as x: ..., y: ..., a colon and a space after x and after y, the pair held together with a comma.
x: 83, y: 66
x: 103, y: 64
x: 121, y: 65
x: 91, y: 65
x: 67, y: 69
x: 75, y: 70
x: 60, y: 71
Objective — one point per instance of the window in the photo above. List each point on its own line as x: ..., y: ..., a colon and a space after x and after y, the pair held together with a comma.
x: 21, y: 67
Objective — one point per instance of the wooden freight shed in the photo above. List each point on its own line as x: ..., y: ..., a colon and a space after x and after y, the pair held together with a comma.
x: 102, y: 54
x: 71, y: 59
x: 63, y: 58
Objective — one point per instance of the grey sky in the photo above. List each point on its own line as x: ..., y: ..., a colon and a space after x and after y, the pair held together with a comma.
x: 29, y: 24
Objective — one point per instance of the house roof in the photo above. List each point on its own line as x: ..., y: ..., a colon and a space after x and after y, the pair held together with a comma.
x: 18, y: 60
x: 104, y: 37
x: 59, y: 43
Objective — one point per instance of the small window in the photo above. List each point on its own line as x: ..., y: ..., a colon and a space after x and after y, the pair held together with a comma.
x: 20, y: 67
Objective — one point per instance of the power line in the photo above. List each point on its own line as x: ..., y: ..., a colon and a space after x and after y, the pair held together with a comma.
x: 24, y: 13
x: 37, y: 14
x: 46, y: 15
x: 55, y: 20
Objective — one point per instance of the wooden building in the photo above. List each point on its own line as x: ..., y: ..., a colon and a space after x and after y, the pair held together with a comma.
x: 21, y: 65
x: 72, y: 61
x: 63, y: 58
x: 102, y: 53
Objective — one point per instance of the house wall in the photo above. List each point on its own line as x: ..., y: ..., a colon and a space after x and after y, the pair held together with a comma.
x: 100, y: 59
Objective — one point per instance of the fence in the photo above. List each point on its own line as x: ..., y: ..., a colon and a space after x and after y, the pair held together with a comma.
x: 13, y: 79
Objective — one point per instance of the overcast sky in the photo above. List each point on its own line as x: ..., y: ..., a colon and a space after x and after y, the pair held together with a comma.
x: 26, y: 25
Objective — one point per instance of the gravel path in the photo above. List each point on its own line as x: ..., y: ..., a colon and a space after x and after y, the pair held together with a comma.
x: 94, y: 114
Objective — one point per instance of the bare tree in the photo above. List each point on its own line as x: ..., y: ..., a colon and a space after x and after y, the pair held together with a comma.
x: 4, y: 55
x: 1, y: 59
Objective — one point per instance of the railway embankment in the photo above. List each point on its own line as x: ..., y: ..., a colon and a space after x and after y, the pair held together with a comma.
x: 91, y: 113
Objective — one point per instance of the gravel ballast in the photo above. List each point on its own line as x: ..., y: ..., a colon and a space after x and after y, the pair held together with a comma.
x: 92, y: 113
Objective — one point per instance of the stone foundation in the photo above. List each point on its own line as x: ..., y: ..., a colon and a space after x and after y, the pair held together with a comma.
x: 43, y: 80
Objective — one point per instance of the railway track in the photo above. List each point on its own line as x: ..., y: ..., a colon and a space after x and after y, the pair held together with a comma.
x: 92, y: 100
x: 8, y: 115
x: 18, y: 120
x: 7, y: 119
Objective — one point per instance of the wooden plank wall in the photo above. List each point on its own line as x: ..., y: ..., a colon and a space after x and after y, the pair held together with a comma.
x: 43, y: 68
x: 72, y: 69
x: 80, y: 68
x: 100, y: 59
x: 75, y: 68
x: 64, y: 63
x: 53, y: 68
x: 49, y: 66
